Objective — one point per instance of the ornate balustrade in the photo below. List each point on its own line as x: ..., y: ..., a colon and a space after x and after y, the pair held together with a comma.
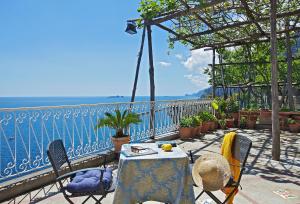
x: 26, y: 132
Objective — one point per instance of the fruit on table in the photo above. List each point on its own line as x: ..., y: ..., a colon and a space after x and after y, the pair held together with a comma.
x: 166, y: 147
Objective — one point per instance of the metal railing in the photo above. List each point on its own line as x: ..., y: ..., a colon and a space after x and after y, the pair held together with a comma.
x: 26, y: 132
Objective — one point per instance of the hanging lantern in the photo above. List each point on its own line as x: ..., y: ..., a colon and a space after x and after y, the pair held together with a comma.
x: 131, y: 27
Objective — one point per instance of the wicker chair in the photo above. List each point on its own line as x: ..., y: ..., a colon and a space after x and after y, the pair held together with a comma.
x: 58, y: 157
x: 244, y: 145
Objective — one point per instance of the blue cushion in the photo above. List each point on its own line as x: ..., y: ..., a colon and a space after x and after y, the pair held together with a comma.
x: 89, y: 181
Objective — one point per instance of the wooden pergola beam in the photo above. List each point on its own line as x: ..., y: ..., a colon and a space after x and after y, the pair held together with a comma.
x: 247, y: 63
x: 184, y: 12
x: 236, y: 25
x: 174, y: 33
x: 203, y: 20
x: 251, y: 17
x: 244, y: 41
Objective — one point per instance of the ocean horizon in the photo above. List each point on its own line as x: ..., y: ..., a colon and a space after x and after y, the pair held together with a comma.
x: 37, y: 101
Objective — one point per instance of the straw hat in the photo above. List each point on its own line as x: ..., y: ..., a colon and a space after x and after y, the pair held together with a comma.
x: 212, y: 171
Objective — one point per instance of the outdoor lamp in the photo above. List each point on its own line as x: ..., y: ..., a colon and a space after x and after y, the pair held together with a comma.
x: 131, y: 27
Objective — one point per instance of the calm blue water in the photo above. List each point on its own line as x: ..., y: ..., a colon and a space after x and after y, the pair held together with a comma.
x: 15, y: 102
x: 15, y: 139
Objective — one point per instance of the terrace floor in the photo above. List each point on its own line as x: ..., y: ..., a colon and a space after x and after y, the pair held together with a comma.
x: 264, y: 182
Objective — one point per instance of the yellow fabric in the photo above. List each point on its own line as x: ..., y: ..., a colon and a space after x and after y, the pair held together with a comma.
x: 234, y: 163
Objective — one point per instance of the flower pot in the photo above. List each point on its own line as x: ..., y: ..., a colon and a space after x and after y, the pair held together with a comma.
x: 196, y: 131
x: 186, y: 132
x: 294, y: 127
x: 211, y: 125
x: 253, y: 117
x: 265, y: 114
x: 229, y: 123
x: 251, y: 124
x: 119, y: 141
x: 205, y: 127
x: 235, y: 116
x: 296, y: 117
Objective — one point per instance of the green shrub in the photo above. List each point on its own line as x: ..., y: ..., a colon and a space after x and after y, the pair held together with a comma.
x: 222, y: 123
x: 206, y: 116
x: 186, y: 122
x: 196, y: 120
x: 291, y: 121
x: 243, y: 122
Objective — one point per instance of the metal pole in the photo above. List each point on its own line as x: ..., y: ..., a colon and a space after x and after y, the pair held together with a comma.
x: 275, y: 106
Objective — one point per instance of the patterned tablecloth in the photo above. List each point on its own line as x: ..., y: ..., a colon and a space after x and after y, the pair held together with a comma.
x: 163, y: 177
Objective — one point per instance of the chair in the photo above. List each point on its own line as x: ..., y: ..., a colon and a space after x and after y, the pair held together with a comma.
x: 96, y: 182
x: 244, y: 145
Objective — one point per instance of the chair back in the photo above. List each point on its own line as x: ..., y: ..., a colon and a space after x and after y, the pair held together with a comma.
x: 241, y: 149
x: 58, y: 156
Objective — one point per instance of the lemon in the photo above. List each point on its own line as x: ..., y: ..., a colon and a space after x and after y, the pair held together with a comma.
x: 166, y: 147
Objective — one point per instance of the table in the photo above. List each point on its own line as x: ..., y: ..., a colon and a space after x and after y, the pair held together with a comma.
x: 163, y: 177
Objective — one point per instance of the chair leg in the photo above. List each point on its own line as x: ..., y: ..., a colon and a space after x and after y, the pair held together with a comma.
x: 213, y: 197
x: 200, y: 194
x: 86, y: 199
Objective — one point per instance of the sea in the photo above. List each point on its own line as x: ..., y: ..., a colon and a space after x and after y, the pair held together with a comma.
x: 17, y: 102
x: 15, y: 142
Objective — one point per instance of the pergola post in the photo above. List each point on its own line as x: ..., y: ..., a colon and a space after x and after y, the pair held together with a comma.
x: 289, y: 71
x: 138, y: 65
x: 152, y: 85
x: 274, y: 89
x: 213, y: 74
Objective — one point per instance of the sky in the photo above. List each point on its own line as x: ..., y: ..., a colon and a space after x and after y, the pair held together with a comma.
x: 79, y: 48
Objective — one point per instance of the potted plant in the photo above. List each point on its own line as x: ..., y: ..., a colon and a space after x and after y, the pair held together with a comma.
x: 293, y: 126
x: 197, y: 123
x: 233, y: 108
x: 120, y: 122
x: 186, y: 129
x: 229, y: 122
x: 222, y: 123
x: 206, y: 118
x: 243, y: 121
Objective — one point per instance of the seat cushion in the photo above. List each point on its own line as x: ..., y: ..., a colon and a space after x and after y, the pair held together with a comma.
x: 89, y: 181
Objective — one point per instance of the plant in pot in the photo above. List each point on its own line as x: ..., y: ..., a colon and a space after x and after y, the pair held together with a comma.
x: 229, y: 122
x: 186, y: 129
x: 293, y: 126
x: 197, y: 123
x: 222, y: 123
x: 233, y: 108
x: 120, y: 122
x: 206, y: 118
x: 243, y: 122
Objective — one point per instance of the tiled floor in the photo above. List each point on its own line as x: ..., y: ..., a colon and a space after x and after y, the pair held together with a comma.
x: 262, y: 182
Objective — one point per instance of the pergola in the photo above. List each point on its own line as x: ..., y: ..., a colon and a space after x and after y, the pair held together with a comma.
x: 214, y: 24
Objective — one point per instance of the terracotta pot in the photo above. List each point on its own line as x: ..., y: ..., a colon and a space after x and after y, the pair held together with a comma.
x: 229, y: 123
x: 265, y: 114
x: 251, y: 124
x: 294, y: 127
x: 196, y: 131
x: 119, y: 141
x: 186, y: 132
x: 256, y: 113
x: 235, y: 116
x: 253, y: 117
x: 296, y: 117
x: 243, y: 112
x: 211, y: 125
x: 205, y: 127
